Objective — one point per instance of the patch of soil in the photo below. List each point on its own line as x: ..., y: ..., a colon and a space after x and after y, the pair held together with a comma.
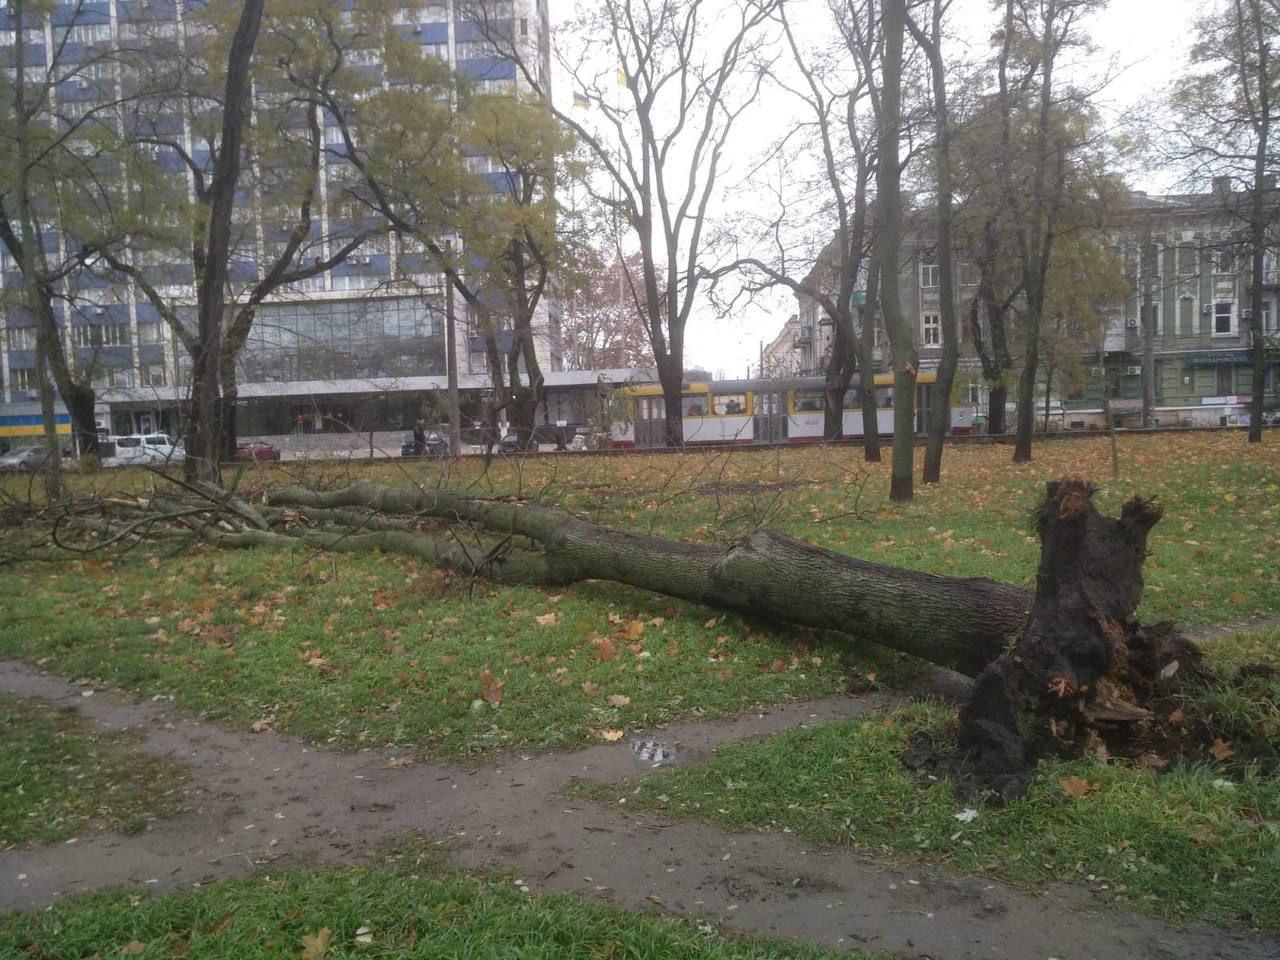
x: 1183, y: 728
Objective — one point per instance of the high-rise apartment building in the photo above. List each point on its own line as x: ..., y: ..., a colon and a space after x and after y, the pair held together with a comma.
x: 360, y: 345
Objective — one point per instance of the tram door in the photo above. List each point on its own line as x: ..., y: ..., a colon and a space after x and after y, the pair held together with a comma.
x: 770, y: 424
x: 924, y: 397
x: 651, y: 422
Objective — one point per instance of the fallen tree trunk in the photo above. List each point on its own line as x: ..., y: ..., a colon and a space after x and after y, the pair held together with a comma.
x: 959, y: 623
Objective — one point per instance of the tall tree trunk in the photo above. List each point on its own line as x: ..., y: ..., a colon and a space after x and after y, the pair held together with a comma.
x: 204, y: 458
x: 888, y: 237
x: 839, y: 373
x: 51, y: 468
x: 867, y: 368
x: 1026, y: 400
x: 1048, y: 392
x: 1257, y: 218
x: 671, y: 376
x: 1148, y: 262
x: 940, y: 410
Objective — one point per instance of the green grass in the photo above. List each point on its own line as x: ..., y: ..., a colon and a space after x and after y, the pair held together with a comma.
x: 1200, y: 841
x: 60, y: 779
x: 405, y: 908
x: 374, y: 650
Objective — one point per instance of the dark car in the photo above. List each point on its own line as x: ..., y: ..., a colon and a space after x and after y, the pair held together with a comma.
x: 509, y: 444
x: 258, y: 451
x: 437, y: 445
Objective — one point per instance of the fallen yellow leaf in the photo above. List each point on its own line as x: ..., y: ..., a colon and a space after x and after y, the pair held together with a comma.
x: 610, y: 736
x: 315, y: 945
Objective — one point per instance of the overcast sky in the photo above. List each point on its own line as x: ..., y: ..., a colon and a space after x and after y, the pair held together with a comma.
x: 1142, y: 44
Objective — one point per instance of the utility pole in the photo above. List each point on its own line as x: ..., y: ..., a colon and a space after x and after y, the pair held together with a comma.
x: 451, y: 362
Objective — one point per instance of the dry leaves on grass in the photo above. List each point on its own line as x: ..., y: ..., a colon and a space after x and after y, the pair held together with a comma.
x: 610, y: 736
x: 618, y: 700
x: 315, y: 945
x: 1221, y: 749
x: 490, y: 688
x: 1077, y: 786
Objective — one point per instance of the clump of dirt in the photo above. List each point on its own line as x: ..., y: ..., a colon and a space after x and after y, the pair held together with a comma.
x: 1229, y: 722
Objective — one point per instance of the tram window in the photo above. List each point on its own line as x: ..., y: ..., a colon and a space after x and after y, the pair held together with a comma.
x: 808, y: 400
x: 884, y: 397
x: 851, y: 399
x: 695, y: 406
x: 729, y: 403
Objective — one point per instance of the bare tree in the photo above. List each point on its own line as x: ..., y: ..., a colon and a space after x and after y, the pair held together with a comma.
x: 689, y: 75
x: 930, y: 41
x: 1034, y: 161
x: 888, y: 237
x: 600, y: 326
x: 1226, y: 110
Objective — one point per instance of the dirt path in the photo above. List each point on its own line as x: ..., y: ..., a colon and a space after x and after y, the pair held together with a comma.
x: 259, y: 798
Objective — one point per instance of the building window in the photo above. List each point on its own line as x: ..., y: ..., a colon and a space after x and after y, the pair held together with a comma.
x: 1188, y: 261
x: 150, y: 332
x: 101, y: 334
x: 928, y: 275
x: 1226, y: 380
x: 1268, y: 325
x: 154, y: 375
x: 932, y: 330
x: 24, y: 379
x: 1223, y: 261
x: 1223, y: 318
x: 1158, y: 380
x: 22, y: 338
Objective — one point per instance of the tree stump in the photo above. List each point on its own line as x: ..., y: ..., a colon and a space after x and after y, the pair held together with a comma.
x: 1083, y: 670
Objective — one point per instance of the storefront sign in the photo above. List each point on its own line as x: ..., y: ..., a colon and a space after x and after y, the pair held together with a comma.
x: 1211, y: 358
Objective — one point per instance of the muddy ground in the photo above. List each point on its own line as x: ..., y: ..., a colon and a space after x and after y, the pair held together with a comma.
x: 261, y: 799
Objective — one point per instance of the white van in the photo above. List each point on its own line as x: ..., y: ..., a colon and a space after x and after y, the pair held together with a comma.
x: 136, y: 449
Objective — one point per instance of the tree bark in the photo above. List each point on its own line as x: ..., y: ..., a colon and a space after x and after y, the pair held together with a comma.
x: 867, y: 369
x: 1082, y: 669
x: 1258, y: 218
x: 204, y: 457
x: 888, y: 237
x: 940, y: 410
x: 959, y: 623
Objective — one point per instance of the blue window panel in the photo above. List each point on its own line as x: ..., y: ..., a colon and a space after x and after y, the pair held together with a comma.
x: 242, y: 270
x: 149, y: 353
x: 147, y: 313
x: 22, y: 359
x: 488, y: 68
x: 503, y: 182
x: 146, y: 11
x: 426, y: 32
x: 114, y: 357
x: 111, y: 313
x: 87, y: 13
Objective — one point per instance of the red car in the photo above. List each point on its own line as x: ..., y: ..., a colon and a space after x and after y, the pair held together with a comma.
x: 257, y: 450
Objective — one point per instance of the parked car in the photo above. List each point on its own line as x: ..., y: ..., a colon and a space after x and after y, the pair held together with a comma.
x: 143, y: 449
x: 259, y: 451
x: 437, y: 445
x: 511, y: 444
x: 24, y: 459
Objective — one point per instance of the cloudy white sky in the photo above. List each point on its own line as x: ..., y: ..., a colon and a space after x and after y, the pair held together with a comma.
x: 1141, y: 45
